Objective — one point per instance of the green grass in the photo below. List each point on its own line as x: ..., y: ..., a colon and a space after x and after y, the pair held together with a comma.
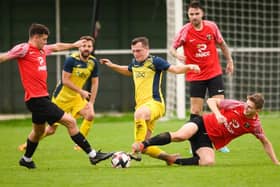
x: 59, y: 165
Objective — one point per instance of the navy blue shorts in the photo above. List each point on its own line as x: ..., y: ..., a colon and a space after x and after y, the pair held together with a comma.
x: 43, y: 110
x: 214, y: 86
x: 200, y: 138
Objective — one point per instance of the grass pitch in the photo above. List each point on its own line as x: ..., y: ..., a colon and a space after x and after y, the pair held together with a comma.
x: 59, y: 165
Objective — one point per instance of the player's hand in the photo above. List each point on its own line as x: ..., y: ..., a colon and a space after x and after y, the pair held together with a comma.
x: 230, y: 68
x: 221, y: 119
x: 105, y: 61
x: 194, y: 67
x: 79, y: 43
x: 85, y: 94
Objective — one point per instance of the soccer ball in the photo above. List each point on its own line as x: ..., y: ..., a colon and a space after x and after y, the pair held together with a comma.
x: 120, y: 160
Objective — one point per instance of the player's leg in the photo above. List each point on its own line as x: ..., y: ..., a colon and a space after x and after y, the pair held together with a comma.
x: 31, y: 145
x: 58, y: 115
x: 203, y: 153
x: 155, y: 151
x: 216, y: 90
x: 184, y: 133
x: 70, y: 123
x: 205, y: 157
x: 49, y: 130
x: 197, y: 95
x: 80, y: 107
x: 37, y: 107
x: 87, y: 112
x: 144, y: 118
x: 155, y: 110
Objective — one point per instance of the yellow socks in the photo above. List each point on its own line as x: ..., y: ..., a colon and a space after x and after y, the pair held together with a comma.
x: 85, y: 127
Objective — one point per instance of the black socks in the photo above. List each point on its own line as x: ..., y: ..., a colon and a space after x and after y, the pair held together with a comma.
x: 80, y: 140
x: 187, y: 161
x: 160, y: 139
x: 30, y: 148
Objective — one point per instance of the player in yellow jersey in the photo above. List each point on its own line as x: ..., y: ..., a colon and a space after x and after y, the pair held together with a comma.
x: 147, y: 75
x: 69, y: 94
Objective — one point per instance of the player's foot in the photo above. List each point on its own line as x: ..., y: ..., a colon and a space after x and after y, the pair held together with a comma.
x: 137, y: 147
x: 135, y: 156
x: 169, y: 158
x: 29, y: 165
x: 224, y: 150
x: 22, y: 147
x: 77, y: 148
x: 99, y: 157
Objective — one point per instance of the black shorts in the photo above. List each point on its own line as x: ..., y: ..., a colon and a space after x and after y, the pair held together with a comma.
x: 43, y: 110
x: 200, y: 138
x: 215, y: 86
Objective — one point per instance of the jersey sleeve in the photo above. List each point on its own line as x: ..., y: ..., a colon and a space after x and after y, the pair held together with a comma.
x: 217, y: 34
x: 130, y: 66
x: 258, y: 130
x: 18, y: 51
x: 48, y: 49
x: 160, y: 63
x: 94, y: 73
x: 230, y: 104
x: 68, y: 64
x: 181, y: 36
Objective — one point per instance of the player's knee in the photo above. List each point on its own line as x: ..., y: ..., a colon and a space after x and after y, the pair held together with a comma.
x: 50, y: 131
x: 142, y: 113
x: 178, y: 137
x: 72, y: 122
x: 89, y: 117
x: 206, y: 161
x: 38, y: 133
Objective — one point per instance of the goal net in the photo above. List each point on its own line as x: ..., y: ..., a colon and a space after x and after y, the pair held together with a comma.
x: 252, y: 31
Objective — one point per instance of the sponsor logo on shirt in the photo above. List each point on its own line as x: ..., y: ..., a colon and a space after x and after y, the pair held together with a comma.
x: 192, y: 40
x: 247, y: 125
x: 209, y: 36
x: 42, y: 66
x: 201, y: 48
x: 139, y: 74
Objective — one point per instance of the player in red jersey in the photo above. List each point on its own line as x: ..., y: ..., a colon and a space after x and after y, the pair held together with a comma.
x: 229, y: 119
x: 31, y: 57
x: 199, y: 39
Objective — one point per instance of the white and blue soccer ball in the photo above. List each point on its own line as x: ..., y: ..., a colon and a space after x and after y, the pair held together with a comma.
x: 120, y: 159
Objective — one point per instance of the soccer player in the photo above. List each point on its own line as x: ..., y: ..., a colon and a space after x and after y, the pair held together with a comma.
x: 229, y: 119
x: 199, y: 39
x: 69, y: 94
x: 31, y: 57
x: 147, y: 75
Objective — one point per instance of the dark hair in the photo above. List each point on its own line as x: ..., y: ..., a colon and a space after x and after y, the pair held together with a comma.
x: 88, y: 38
x: 258, y: 99
x: 144, y: 40
x: 195, y: 4
x: 37, y: 28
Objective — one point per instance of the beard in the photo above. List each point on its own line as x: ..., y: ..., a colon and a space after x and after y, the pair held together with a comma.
x: 85, y: 54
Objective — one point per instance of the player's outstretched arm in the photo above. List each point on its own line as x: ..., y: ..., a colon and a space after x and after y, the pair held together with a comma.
x: 4, y: 57
x: 66, y: 46
x: 269, y: 150
x: 182, y: 68
x: 118, y: 68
